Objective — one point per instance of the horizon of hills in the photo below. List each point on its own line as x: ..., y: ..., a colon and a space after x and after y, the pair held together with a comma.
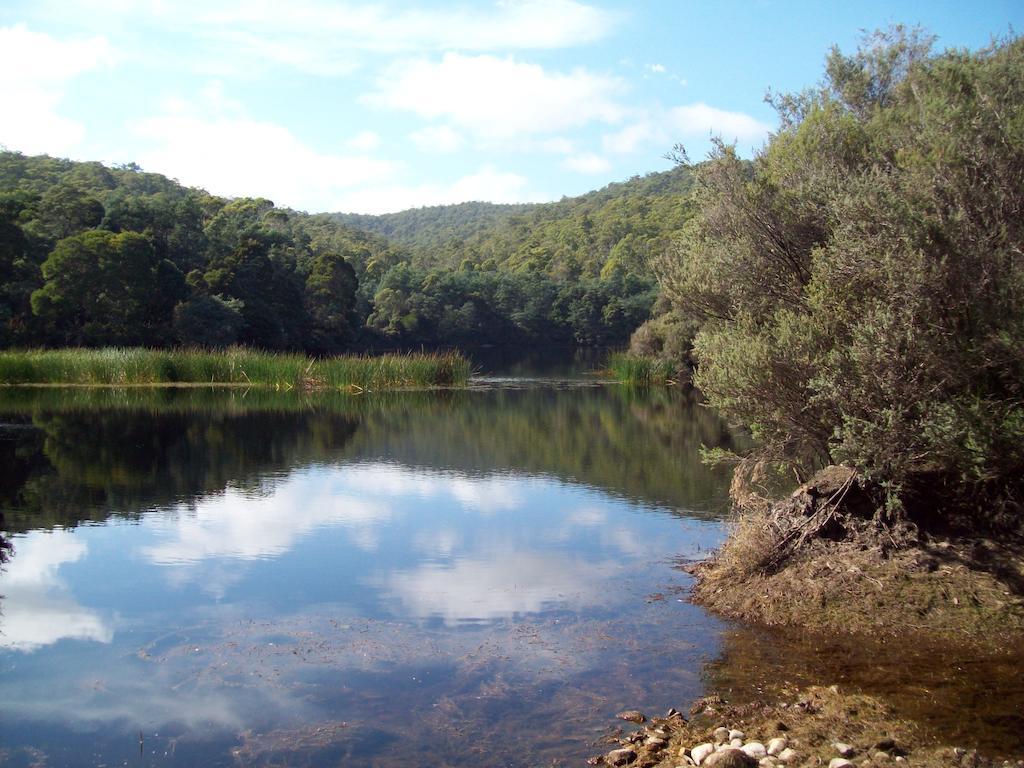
x: 574, y: 270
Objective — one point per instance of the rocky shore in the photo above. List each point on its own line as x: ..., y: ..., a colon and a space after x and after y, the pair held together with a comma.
x: 814, y: 727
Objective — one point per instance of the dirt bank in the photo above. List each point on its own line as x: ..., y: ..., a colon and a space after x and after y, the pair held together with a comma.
x: 824, y: 558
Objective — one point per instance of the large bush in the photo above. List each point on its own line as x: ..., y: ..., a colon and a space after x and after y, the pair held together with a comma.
x: 860, y: 284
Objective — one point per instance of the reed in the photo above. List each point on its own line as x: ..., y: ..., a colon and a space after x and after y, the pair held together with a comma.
x: 236, y: 366
x: 638, y: 370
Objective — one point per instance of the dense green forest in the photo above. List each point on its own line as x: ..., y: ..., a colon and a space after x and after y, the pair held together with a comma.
x: 92, y: 256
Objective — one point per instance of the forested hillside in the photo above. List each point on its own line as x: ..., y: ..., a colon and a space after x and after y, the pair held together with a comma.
x: 611, y: 229
x: 92, y: 256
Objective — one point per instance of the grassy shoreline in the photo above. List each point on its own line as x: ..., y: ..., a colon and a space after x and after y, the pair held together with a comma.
x: 236, y: 366
x: 642, y: 371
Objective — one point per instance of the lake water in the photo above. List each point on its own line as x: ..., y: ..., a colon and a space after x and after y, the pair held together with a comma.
x: 472, y: 577
x: 478, y: 577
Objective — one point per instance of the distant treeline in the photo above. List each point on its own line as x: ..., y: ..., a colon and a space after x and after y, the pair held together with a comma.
x: 98, y: 256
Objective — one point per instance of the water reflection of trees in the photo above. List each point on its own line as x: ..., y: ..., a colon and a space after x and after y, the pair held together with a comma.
x: 69, y: 456
x: 86, y: 464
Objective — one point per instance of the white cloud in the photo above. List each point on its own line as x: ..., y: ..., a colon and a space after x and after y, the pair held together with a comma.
x: 699, y: 119
x: 38, y: 608
x: 557, y: 145
x: 513, y: 24
x: 35, y: 70
x: 658, y: 69
x: 632, y: 137
x: 588, y: 517
x: 499, y: 584
x: 234, y: 155
x: 682, y: 123
x: 237, y: 526
x: 326, y: 37
x: 498, y: 98
x: 587, y: 163
x: 487, y: 184
x: 365, y: 141
x: 493, y: 493
x: 440, y: 139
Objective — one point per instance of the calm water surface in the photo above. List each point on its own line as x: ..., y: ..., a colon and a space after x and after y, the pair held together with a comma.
x: 479, y: 577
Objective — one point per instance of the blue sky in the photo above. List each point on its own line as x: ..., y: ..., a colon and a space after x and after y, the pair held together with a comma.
x: 380, y: 106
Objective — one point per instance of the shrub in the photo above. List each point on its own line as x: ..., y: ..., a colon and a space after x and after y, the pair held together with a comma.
x: 860, y: 284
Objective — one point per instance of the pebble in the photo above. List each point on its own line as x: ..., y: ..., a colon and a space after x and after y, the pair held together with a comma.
x: 655, y: 744
x: 701, y: 751
x: 734, y: 734
x: 755, y: 749
x: 737, y: 743
x: 844, y: 749
x: 623, y: 756
x: 900, y: 759
x: 721, y: 735
x: 788, y: 755
x: 730, y: 758
x: 632, y: 716
x: 776, y: 745
x: 840, y: 762
x: 881, y: 757
x: 767, y: 762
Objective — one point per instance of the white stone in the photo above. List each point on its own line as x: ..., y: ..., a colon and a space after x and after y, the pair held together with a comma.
x: 843, y: 749
x: 776, y: 745
x: 734, y: 734
x: 767, y: 762
x: 701, y: 751
x: 737, y: 743
x: 788, y: 755
x: 900, y: 759
x: 840, y: 762
x: 620, y: 756
x: 755, y: 749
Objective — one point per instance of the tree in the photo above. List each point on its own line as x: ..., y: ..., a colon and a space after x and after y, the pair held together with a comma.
x: 208, y: 321
x: 330, y: 293
x: 99, y: 289
x: 860, y: 285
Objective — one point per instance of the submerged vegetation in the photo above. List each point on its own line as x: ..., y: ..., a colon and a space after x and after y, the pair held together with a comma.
x: 239, y: 366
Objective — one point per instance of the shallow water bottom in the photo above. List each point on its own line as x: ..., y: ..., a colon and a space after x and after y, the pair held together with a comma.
x: 956, y: 695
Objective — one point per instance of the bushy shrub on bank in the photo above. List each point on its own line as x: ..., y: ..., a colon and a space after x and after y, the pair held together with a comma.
x: 860, y: 284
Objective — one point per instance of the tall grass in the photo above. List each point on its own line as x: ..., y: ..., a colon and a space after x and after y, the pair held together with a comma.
x: 641, y: 371
x: 234, y: 366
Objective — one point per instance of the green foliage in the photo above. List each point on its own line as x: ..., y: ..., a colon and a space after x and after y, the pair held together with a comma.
x: 641, y: 371
x: 614, y: 229
x: 98, y: 288
x: 208, y: 321
x: 92, y: 256
x: 237, y: 365
x: 859, y: 285
x: 244, y: 271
